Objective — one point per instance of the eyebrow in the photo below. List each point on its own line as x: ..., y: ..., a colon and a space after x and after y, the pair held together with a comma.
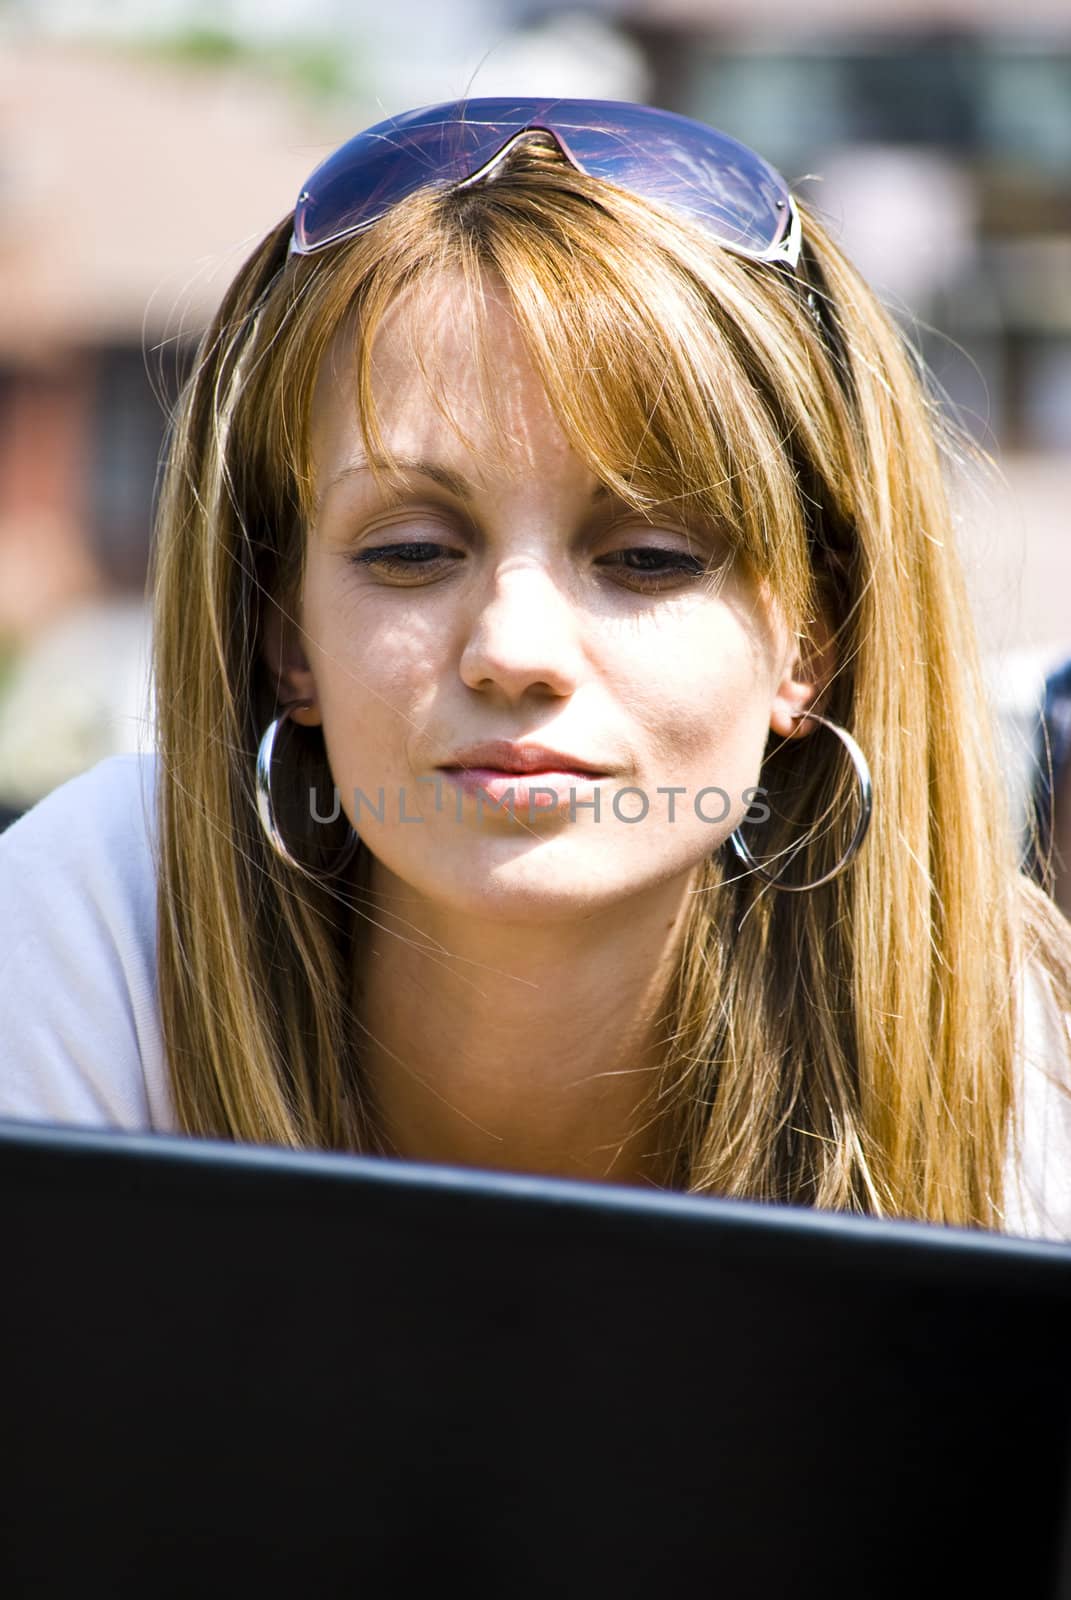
x: 446, y: 477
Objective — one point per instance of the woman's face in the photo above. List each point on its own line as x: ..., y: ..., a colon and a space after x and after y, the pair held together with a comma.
x: 516, y: 601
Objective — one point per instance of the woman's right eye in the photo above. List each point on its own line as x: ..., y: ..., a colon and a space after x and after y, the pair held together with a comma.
x: 404, y: 560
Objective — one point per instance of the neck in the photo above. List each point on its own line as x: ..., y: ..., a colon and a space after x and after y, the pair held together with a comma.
x: 519, y: 1046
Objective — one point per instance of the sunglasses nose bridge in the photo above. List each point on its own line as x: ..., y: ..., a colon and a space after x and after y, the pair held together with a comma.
x: 535, y: 132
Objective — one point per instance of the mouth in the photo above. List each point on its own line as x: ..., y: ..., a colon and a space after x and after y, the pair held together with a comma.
x: 517, y: 759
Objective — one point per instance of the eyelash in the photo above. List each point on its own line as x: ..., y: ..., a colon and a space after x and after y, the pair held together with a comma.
x: 387, y: 558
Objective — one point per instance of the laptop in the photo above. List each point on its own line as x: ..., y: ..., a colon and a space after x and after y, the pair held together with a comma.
x: 239, y: 1370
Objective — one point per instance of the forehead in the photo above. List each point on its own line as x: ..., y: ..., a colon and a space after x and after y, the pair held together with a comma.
x: 450, y: 375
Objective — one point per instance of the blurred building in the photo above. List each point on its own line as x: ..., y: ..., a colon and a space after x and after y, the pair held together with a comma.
x: 131, y: 190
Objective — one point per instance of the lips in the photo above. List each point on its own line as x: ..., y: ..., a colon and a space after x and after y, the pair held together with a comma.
x: 503, y: 755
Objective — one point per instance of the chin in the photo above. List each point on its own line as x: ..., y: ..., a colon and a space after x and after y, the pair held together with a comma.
x: 529, y: 881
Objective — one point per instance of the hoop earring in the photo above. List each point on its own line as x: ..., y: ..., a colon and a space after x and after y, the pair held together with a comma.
x: 866, y: 806
x: 266, y: 811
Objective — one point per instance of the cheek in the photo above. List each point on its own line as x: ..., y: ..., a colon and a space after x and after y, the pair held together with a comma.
x: 703, y: 706
x: 376, y: 677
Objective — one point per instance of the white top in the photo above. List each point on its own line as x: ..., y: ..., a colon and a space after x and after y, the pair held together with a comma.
x: 80, y: 1036
x: 80, y: 1033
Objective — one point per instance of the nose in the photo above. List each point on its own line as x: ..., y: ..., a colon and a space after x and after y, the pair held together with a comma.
x: 524, y: 634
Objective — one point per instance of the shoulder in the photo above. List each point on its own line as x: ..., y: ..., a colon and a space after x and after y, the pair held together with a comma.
x: 81, y: 822
x: 1038, y: 1176
x: 78, y: 953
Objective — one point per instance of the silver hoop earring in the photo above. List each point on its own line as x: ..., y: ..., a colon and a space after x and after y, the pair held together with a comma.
x: 866, y: 806
x: 266, y: 811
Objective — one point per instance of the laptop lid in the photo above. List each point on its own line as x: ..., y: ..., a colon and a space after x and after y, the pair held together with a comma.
x: 315, y: 1374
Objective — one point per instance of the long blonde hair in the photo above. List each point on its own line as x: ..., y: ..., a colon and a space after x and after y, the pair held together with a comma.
x: 851, y: 1047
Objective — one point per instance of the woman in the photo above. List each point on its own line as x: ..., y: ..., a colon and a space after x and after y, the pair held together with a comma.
x: 557, y: 439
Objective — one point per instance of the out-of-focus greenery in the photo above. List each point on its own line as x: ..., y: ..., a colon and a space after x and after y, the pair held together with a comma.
x: 316, y: 68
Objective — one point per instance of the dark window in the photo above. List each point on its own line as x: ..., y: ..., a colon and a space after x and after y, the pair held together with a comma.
x: 127, y: 434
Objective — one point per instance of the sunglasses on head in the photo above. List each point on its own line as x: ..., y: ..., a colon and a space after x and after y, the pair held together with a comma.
x: 719, y: 183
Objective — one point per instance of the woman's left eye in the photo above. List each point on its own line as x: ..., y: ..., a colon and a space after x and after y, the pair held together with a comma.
x: 657, y: 565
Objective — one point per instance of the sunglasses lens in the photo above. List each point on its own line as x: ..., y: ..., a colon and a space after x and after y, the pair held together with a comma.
x: 666, y: 158
x: 379, y: 167
x: 683, y: 164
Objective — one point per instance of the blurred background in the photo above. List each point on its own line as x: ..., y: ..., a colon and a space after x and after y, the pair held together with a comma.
x: 144, y: 148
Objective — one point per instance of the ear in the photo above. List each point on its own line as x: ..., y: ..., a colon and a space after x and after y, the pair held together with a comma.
x: 808, y: 670
x: 283, y: 654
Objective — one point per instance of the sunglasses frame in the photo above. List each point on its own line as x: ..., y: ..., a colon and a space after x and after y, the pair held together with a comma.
x: 539, y: 123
